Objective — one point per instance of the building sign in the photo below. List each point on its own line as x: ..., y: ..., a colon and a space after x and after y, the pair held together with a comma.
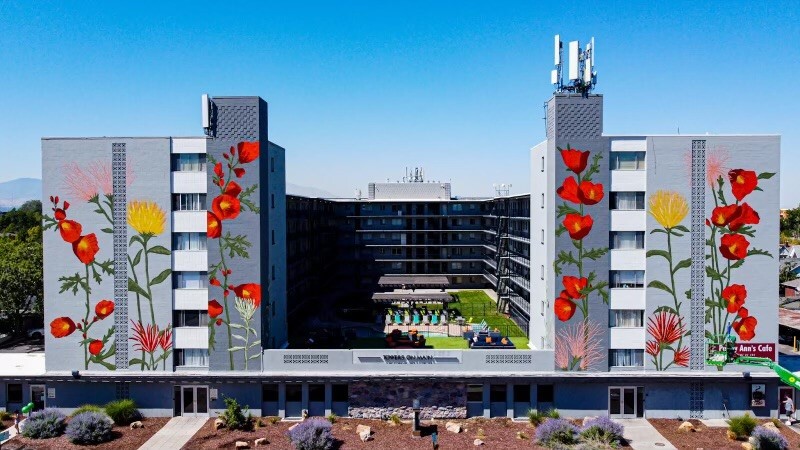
x: 758, y: 396
x: 406, y: 358
x: 752, y: 349
x: 51, y: 392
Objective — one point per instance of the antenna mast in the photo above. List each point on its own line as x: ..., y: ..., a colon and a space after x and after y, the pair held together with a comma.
x: 582, y: 76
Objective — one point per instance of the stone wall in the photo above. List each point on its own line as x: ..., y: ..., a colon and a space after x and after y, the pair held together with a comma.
x: 381, y: 400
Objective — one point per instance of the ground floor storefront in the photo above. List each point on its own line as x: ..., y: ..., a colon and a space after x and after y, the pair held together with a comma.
x: 442, y: 397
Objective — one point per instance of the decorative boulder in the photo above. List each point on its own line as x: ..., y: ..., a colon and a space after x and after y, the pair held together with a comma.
x: 453, y: 427
x: 747, y: 446
x: 587, y: 419
x: 686, y: 426
x: 137, y: 424
x: 477, y: 442
x: 731, y: 435
x: 293, y: 426
x: 769, y: 425
x: 365, y: 436
x: 363, y: 429
x: 242, y: 444
x: 260, y: 441
x: 219, y: 423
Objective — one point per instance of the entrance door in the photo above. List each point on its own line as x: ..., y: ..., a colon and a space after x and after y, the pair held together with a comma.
x: 37, y: 396
x: 783, y: 392
x: 194, y: 401
x: 626, y: 402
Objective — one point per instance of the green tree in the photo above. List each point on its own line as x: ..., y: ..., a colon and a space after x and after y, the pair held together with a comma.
x: 790, y: 224
x: 786, y: 273
x: 19, y: 220
x: 21, y: 288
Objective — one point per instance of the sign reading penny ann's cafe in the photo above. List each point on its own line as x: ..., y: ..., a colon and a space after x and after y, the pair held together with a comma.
x: 752, y: 349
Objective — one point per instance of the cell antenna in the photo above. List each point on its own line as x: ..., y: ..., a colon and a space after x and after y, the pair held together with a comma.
x: 581, y: 73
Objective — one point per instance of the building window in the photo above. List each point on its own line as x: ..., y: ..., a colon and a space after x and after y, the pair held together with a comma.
x: 272, y: 201
x: 627, y: 161
x: 542, y: 163
x: 191, y: 318
x: 14, y: 393
x: 339, y: 393
x: 189, y: 202
x: 397, y: 222
x: 475, y: 393
x: 456, y: 266
x: 273, y: 272
x: 273, y: 237
x: 542, y: 201
x: 367, y: 236
x: 457, y: 207
x: 627, y: 201
x: 497, y: 393
x: 627, y: 318
x: 545, y: 392
x: 189, y: 241
x: 543, y: 307
x: 192, y: 357
x: 626, y: 240
x: 542, y: 235
x: 542, y: 272
x: 189, y: 162
x: 272, y: 164
x: 628, y: 357
x: 190, y: 280
x: 397, y: 265
x: 626, y: 279
x: 269, y: 393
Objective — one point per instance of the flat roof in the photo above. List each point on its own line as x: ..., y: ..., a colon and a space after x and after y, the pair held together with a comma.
x: 789, y: 318
x: 414, y: 281
x: 22, y: 364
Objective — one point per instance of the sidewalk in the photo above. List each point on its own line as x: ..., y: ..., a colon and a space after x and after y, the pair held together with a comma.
x: 175, y: 434
x: 643, y: 436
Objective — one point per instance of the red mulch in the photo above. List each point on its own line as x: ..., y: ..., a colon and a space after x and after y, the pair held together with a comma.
x: 497, y: 434
x: 124, y: 439
x: 706, y: 437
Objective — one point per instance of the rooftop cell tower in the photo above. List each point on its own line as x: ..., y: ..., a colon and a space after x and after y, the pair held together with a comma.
x: 582, y: 76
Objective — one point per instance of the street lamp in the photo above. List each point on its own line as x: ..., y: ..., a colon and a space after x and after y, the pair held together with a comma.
x: 415, y: 428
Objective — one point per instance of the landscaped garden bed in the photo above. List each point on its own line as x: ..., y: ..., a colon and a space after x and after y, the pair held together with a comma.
x: 124, y: 438
x: 710, y: 437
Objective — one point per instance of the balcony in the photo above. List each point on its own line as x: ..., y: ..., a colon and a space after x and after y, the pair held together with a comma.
x: 189, y: 182
x: 189, y: 145
x: 633, y: 298
x: 189, y: 260
x: 190, y: 337
x: 194, y: 299
x: 633, y: 259
x: 189, y: 221
x: 626, y: 337
x: 634, y: 220
x: 628, y: 180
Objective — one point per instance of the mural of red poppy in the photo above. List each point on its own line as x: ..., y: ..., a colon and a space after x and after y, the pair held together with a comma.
x: 248, y: 151
x: 569, y: 190
x: 746, y: 328
x: 578, y: 226
x: 733, y: 246
x: 723, y: 215
x: 734, y: 296
x: 564, y: 307
x: 95, y: 347
x: 103, y: 309
x: 590, y: 193
x: 574, y: 285
x: 62, y: 327
x: 213, y: 225
x: 746, y: 215
x: 85, y: 248
x: 70, y: 230
x: 743, y: 182
x: 249, y: 291
x: 575, y: 160
x: 226, y: 207
x: 214, y: 309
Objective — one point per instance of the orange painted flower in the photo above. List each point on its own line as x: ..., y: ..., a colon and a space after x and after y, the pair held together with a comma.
x: 249, y: 291
x: 214, y: 281
x: 213, y: 225
x: 248, y: 151
x: 214, y: 308
x: 578, y: 226
x: 574, y: 286
x: 218, y: 169
x: 746, y: 216
x: 743, y: 312
x: 743, y: 182
x: 575, y: 160
x: 95, y: 347
x: 652, y: 348
x: 70, y: 230
x: 233, y: 189
x: 734, y: 296
x: 103, y: 309
x: 85, y: 248
x: 590, y: 193
x: 723, y: 215
x: 681, y: 357
x: 733, y: 246
x: 226, y: 207
x: 569, y: 190
x: 239, y: 172
x: 564, y: 307
x: 59, y: 214
x: 746, y: 328
x: 61, y: 327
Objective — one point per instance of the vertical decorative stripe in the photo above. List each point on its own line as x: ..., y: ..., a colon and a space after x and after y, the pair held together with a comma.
x: 698, y: 254
x: 119, y: 216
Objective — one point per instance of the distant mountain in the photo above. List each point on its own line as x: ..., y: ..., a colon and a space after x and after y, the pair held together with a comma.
x: 306, y: 191
x: 15, y: 192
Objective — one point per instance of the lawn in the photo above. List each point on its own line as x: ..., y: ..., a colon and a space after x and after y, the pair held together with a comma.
x: 479, y: 306
x: 430, y: 342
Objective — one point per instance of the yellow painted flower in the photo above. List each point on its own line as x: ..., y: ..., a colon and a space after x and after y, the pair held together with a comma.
x: 669, y: 208
x: 146, y: 217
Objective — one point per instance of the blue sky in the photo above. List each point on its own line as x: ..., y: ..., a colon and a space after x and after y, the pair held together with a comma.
x: 360, y: 90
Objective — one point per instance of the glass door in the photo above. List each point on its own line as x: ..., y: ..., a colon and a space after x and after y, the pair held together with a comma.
x: 194, y: 401
x: 626, y: 402
x: 37, y: 396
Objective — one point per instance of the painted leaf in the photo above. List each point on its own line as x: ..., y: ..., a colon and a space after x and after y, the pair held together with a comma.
x: 662, y: 253
x: 766, y: 175
x: 134, y: 287
x: 137, y: 258
x: 161, y: 277
x: 159, y: 250
x: 256, y: 356
x: 683, y: 264
x: 659, y: 285
x: 235, y: 349
x: 241, y: 338
x: 666, y: 308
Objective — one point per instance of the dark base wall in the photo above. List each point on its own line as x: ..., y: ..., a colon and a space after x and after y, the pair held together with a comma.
x: 381, y: 400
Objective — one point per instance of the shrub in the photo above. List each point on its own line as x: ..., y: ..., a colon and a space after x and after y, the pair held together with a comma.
x: 556, y: 432
x: 553, y: 414
x: 776, y: 422
x: 5, y: 415
x: 332, y: 418
x: 89, y: 428
x: 766, y: 439
x: 47, y: 423
x: 742, y: 426
x: 87, y: 408
x: 272, y: 420
x: 123, y: 412
x: 395, y: 419
x: 602, y: 429
x: 312, y: 434
x: 535, y: 417
x: 234, y: 415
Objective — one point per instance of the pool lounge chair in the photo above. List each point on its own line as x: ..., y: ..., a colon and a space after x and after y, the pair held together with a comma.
x: 416, y: 319
x: 435, y: 320
x: 397, y: 319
